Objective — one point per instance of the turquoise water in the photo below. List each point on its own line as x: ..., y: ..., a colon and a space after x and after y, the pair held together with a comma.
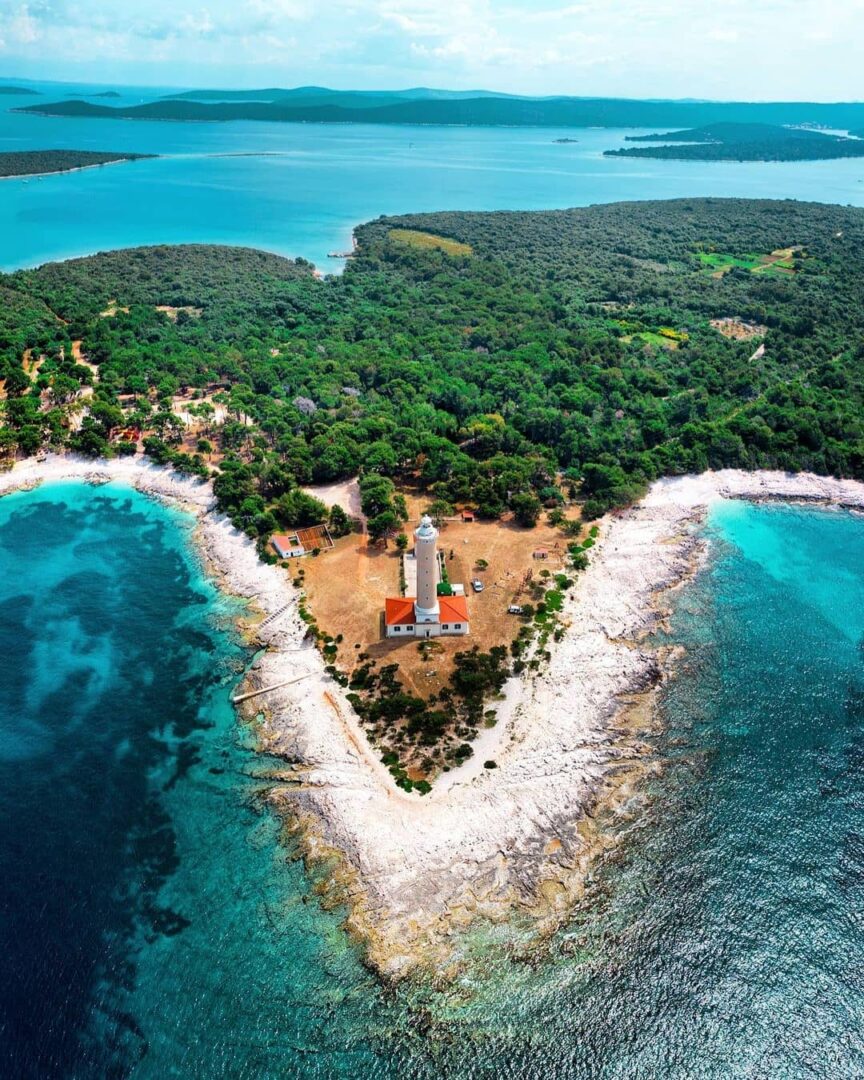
x: 152, y: 926
x: 318, y: 181
x: 147, y: 914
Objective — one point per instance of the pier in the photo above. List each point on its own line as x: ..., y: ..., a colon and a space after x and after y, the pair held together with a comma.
x: 238, y: 698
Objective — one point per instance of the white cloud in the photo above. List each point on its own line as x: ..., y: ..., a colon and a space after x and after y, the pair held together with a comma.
x: 737, y: 48
x: 22, y: 28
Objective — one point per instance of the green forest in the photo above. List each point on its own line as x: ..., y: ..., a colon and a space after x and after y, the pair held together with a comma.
x: 320, y: 105
x: 33, y: 162
x: 743, y: 142
x: 569, y: 344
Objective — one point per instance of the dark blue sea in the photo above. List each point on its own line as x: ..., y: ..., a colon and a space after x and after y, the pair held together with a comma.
x: 153, y: 925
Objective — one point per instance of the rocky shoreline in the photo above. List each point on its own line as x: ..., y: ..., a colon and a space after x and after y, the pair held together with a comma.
x: 416, y: 871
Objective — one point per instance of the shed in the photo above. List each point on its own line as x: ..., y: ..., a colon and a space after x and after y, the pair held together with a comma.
x: 287, y: 546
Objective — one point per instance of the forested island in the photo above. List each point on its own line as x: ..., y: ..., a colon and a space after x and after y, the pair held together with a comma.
x: 480, y: 355
x: 42, y: 162
x: 743, y: 142
x: 19, y: 90
x: 319, y: 105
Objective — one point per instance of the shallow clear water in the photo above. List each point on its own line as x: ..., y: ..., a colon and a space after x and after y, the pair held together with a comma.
x: 146, y: 911
x: 151, y: 925
x: 321, y: 180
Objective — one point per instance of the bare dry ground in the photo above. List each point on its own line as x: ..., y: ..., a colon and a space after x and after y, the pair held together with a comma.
x: 738, y: 329
x: 346, y: 588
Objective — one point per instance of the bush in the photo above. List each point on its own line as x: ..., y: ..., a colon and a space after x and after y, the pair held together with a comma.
x: 490, y: 765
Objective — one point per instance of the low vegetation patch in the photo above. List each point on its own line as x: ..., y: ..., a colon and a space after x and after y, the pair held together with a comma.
x: 782, y: 261
x: 430, y: 242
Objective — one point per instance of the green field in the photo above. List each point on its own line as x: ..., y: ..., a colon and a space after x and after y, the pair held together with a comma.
x: 429, y: 241
x: 664, y: 337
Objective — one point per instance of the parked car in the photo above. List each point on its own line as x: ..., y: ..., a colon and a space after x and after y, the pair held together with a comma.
x: 477, y: 585
x: 514, y: 609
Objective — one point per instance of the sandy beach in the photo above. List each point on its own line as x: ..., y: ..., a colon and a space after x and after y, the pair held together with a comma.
x: 415, y: 870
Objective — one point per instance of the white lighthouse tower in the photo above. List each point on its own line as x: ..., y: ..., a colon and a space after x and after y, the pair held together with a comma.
x: 426, y: 607
x: 421, y: 612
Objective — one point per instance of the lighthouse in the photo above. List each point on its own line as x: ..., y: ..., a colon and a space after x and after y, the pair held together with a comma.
x: 422, y: 612
x: 426, y: 607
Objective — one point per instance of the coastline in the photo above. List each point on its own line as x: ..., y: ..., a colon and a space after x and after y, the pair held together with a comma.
x: 79, y: 168
x: 414, y: 872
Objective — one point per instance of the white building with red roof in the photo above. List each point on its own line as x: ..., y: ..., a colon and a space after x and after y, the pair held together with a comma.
x: 428, y: 614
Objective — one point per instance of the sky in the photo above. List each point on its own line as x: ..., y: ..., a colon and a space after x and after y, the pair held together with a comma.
x: 726, y: 49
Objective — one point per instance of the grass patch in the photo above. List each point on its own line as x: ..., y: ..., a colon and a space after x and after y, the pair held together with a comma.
x: 429, y: 241
x: 664, y: 336
x: 780, y: 262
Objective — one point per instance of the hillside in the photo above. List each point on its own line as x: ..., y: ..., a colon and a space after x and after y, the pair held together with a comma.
x: 743, y: 142
x: 324, y: 106
x: 320, y: 95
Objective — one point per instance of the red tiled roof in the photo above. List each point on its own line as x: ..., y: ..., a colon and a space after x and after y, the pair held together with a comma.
x: 285, y: 542
x: 399, y: 611
x: 454, y: 609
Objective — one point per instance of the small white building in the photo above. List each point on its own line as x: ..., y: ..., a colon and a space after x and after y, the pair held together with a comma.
x: 428, y: 614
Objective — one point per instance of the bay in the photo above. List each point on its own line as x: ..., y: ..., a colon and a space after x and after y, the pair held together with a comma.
x: 299, y: 189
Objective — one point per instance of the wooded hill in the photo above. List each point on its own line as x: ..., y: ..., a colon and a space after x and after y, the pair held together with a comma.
x: 575, y: 341
x: 33, y: 162
x: 743, y: 142
x: 318, y: 105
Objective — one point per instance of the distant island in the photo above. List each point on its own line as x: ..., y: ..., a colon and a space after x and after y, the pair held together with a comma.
x: 470, y: 108
x: 18, y: 90
x: 743, y: 142
x: 101, y: 94
x: 566, y: 141
x: 42, y: 162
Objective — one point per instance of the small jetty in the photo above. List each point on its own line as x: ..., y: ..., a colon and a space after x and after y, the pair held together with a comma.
x: 238, y: 698
x: 340, y: 254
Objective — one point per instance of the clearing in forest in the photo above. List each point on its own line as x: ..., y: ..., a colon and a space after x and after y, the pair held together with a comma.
x: 415, y: 238
x: 665, y: 337
x: 738, y: 329
x: 173, y: 312
x: 778, y: 262
x: 347, y: 585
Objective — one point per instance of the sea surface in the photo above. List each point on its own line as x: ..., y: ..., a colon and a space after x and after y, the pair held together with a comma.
x: 152, y: 925
x: 299, y: 189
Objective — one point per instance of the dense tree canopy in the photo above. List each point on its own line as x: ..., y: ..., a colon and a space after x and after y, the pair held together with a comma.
x: 31, y: 162
x: 576, y: 342
x: 743, y: 142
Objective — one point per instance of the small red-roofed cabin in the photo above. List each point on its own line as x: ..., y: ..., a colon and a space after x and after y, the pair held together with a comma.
x: 301, y: 542
x: 467, y: 515
x: 287, y: 546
